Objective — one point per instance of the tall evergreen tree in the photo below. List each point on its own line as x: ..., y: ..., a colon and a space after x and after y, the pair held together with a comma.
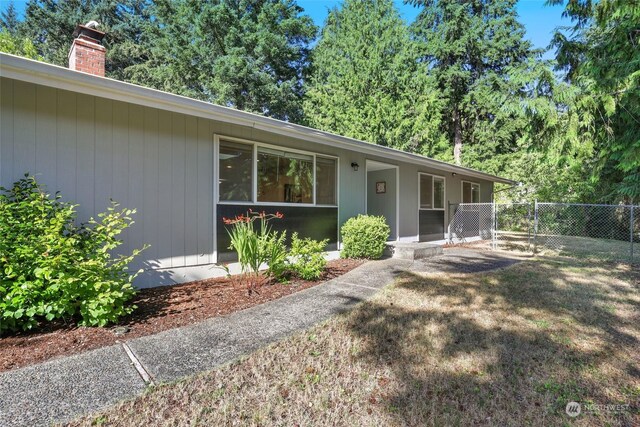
x: 600, y: 56
x: 366, y: 81
x: 476, y: 51
x: 247, y: 54
x: 9, y: 19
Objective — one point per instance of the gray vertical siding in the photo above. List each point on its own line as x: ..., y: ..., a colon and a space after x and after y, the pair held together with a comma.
x: 93, y: 149
x: 6, y: 130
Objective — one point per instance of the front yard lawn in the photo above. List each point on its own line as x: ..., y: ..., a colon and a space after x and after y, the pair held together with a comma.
x: 504, y: 347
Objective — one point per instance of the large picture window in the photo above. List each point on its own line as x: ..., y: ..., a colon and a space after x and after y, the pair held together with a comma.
x: 236, y: 170
x: 281, y: 176
x: 470, y: 192
x: 284, y: 177
x: 432, y: 192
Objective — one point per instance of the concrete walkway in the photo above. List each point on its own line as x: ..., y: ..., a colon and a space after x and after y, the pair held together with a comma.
x: 62, y: 389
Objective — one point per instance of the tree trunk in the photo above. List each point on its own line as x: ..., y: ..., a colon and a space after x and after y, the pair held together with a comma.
x: 457, y: 137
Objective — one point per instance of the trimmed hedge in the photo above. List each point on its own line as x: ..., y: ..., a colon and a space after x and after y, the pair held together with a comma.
x: 364, y: 236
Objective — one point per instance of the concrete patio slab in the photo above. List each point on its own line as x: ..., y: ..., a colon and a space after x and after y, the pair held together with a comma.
x: 61, y: 389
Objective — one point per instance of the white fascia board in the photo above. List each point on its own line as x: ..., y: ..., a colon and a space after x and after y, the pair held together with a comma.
x: 18, y: 68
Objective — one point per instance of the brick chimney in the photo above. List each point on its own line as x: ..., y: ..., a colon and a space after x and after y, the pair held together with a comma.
x: 87, y: 53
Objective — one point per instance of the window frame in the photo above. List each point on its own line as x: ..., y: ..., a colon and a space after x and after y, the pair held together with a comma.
x: 433, y: 193
x: 462, y: 191
x: 217, y: 171
x: 254, y: 173
x: 315, y: 180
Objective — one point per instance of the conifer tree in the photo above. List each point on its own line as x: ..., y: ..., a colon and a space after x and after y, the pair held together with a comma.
x: 366, y: 81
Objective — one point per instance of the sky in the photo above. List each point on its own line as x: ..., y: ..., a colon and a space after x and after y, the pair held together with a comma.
x: 538, y: 19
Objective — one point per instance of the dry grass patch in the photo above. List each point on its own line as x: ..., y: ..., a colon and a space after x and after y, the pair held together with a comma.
x: 507, y: 347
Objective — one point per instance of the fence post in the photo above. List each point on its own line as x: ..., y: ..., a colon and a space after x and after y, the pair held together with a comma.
x: 450, y: 221
x: 631, y: 221
x: 529, y: 226
x: 494, y: 225
x: 535, y: 227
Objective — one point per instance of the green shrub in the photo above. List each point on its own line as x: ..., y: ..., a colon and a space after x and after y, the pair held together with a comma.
x: 51, y: 268
x: 364, y: 236
x: 307, y: 257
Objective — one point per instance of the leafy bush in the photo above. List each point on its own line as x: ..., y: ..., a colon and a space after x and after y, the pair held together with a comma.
x: 364, y: 236
x: 51, y: 268
x: 307, y: 257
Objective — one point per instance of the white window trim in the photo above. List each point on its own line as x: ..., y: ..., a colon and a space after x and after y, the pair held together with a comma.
x: 462, y: 191
x: 433, y: 193
x: 218, y: 138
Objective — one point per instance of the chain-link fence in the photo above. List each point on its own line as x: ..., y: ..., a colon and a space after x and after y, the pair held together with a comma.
x: 609, y: 231
x: 605, y: 231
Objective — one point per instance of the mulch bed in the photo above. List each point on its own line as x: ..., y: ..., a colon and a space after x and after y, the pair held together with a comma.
x: 159, y: 309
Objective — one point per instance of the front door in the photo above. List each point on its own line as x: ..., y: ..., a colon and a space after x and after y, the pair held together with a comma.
x: 382, y: 193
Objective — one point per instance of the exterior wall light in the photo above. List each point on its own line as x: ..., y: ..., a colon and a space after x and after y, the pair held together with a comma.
x: 355, y: 166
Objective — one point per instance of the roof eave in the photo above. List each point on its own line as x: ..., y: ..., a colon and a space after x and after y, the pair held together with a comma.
x: 18, y: 68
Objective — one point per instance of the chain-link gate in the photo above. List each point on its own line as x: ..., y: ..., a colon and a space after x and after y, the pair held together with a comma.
x: 514, y: 226
x: 471, y: 222
x: 605, y: 231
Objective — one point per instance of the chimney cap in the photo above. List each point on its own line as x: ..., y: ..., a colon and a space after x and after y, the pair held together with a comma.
x: 89, y: 31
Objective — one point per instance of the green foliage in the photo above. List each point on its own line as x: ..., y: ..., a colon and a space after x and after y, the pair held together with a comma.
x: 17, y: 46
x: 247, y: 54
x: 366, y: 82
x: 259, y: 245
x: 276, y: 254
x: 51, y: 268
x: 493, y: 83
x: 601, y: 59
x: 307, y: 256
x: 9, y: 19
x: 364, y: 236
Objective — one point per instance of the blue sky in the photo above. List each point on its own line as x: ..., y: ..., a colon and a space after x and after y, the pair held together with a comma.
x: 538, y: 19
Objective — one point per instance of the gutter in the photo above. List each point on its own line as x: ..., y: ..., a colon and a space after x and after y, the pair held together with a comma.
x: 22, y: 69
